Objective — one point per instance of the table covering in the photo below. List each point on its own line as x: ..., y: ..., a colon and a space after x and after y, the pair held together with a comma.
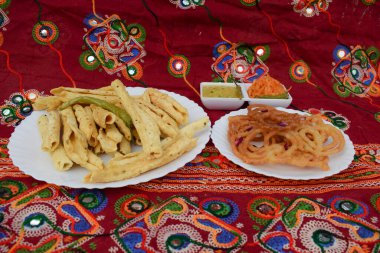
x: 325, y: 51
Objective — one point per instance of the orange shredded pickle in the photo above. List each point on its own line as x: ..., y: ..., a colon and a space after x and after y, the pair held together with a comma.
x: 266, y: 86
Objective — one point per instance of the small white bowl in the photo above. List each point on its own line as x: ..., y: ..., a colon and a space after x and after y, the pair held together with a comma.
x: 221, y: 103
x: 276, y: 102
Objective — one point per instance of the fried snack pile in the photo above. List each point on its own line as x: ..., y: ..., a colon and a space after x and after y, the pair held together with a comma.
x: 267, y: 87
x: 82, y: 124
x: 269, y: 136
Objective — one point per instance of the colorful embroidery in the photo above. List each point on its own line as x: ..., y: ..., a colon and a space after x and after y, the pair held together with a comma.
x: 178, y: 66
x: 369, y: 2
x: 5, y: 3
x: 197, y: 230
x: 354, y: 73
x: 4, y: 20
x: 211, y: 159
x: 318, y: 229
x: 264, y: 209
x: 130, y: 206
x: 133, y: 72
x: 10, y: 189
x: 88, y: 60
x: 337, y: 120
x: 262, y: 51
x: 299, y: 71
x: 187, y: 4
x: 17, y: 107
x: 78, y: 220
x: 369, y: 155
x: 237, y: 63
x: 45, y: 32
x: 375, y: 201
x: 112, y: 44
x: 93, y: 200
x: 3, y: 148
x: 309, y: 8
x: 349, y: 206
x: 249, y: 2
x: 225, y: 209
x: 137, y: 31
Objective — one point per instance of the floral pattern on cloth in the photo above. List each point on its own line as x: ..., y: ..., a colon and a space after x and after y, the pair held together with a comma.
x: 238, y: 63
x: 334, y: 118
x: 40, y: 217
x: 311, y: 8
x: 113, y: 45
x: 18, y: 107
x: 355, y: 72
x: 308, y: 226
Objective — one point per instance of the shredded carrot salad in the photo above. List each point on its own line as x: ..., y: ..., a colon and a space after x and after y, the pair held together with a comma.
x: 266, y: 86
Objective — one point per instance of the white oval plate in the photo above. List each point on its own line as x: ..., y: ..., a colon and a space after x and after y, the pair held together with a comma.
x: 25, y: 151
x: 337, y: 162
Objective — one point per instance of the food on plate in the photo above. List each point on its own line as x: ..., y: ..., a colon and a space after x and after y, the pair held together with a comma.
x: 49, y: 127
x: 60, y: 159
x: 267, y: 135
x: 267, y: 87
x: 169, y: 105
x: 145, y: 125
x: 99, y: 103
x: 133, y: 164
x: 221, y: 91
x: 82, y: 124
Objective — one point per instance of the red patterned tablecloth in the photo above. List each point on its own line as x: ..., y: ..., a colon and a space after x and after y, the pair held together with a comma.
x: 326, y: 51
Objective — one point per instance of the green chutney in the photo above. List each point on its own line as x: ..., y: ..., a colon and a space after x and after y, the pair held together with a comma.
x: 221, y: 91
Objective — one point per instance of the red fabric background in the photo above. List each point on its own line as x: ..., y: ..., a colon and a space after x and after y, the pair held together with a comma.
x: 193, y: 34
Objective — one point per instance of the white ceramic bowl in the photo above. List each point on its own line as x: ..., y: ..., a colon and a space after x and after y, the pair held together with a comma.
x: 285, y: 102
x: 221, y: 103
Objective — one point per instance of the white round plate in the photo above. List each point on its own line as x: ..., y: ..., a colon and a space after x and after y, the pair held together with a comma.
x: 337, y: 162
x: 25, y: 151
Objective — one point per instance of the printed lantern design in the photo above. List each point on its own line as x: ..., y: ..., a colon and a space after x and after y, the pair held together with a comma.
x: 309, y: 8
x: 239, y: 63
x: 354, y: 72
x: 113, y: 45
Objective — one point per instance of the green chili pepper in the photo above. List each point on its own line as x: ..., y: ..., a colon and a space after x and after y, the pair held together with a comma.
x: 122, y: 114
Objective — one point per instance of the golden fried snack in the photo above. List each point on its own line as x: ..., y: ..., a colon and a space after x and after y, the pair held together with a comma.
x: 50, y: 129
x: 107, y: 144
x: 125, y: 146
x: 146, y: 127
x: 113, y: 133
x: 102, y: 117
x: 267, y: 135
x: 166, y: 124
x: 93, y: 139
x: 169, y: 105
x: 123, y: 129
x: 104, y: 91
x: 133, y: 164
x: 47, y: 103
x: 86, y: 123
x: 60, y: 159
x: 67, y: 93
x: 74, y: 141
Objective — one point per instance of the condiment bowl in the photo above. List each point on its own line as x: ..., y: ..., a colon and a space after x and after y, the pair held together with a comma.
x: 276, y: 102
x: 220, y: 103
